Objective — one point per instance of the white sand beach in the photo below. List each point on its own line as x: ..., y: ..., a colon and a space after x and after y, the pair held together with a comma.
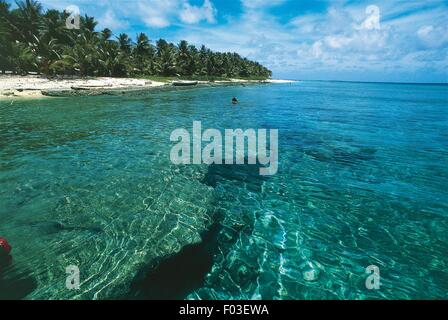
x: 31, y: 86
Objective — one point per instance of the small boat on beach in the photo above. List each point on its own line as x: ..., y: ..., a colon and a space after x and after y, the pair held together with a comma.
x: 183, y: 83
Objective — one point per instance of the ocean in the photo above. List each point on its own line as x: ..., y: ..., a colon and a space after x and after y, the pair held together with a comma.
x: 357, y: 210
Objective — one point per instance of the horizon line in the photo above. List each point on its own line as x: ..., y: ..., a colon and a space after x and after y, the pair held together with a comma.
x: 365, y: 81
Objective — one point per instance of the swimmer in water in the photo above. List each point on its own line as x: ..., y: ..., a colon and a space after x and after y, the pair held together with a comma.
x: 234, y: 100
x: 5, y: 250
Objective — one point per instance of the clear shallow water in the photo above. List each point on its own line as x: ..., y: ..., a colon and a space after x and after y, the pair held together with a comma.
x: 362, y: 180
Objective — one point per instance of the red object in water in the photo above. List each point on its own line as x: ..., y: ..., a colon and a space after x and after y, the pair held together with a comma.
x: 4, y: 245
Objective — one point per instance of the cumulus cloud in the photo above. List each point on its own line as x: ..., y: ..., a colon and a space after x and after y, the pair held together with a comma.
x: 193, y: 14
x: 410, y: 38
x: 348, y: 40
x: 163, y: 13
x: 157, y: 13
x: 153, y: 13
x: 112, y: 21
x: 433, y: 37
x: 258, y: 4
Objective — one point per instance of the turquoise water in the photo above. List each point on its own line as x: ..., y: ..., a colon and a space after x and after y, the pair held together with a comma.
x: 362, y: 180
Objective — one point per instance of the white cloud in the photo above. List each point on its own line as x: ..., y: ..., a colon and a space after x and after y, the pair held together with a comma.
x: 111, y: 21
x: 157, y: 13
x: 345, y: 38
x: 259, y: 4
x: 316, y: 49
x: 433, y: 37
x: 163, y: 13
x: 153, y: 13
x: 194, y: 14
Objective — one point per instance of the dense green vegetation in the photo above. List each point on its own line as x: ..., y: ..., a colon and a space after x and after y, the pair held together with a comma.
x: 32, y: 40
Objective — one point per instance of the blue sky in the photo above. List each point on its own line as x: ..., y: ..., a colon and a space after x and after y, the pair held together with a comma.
x: 378, y: 40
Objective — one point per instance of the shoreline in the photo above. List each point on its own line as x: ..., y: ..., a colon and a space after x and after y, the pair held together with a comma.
x: 33, y: 87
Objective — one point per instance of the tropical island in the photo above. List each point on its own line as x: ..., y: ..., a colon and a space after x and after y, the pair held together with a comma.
x: 38, y: 42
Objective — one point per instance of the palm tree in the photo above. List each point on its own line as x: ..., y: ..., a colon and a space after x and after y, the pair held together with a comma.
x: 22, y: 58
x: 31, y: 39
x: 52, y: 35
x: 143, y: 54
x: 125, y: 43
x: 183, y: 59
x: 106, y: 34
x: 82, y: 57
x: 202, y: 61
x: 5, y: 40
x: 88, y: 25
x: 210, y: 64
x: 52, y: 26
x: 47, y: 55
x: 192, y: 64
x: 166, y: 56
x: 113, y: 62
x: 26, y: 19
